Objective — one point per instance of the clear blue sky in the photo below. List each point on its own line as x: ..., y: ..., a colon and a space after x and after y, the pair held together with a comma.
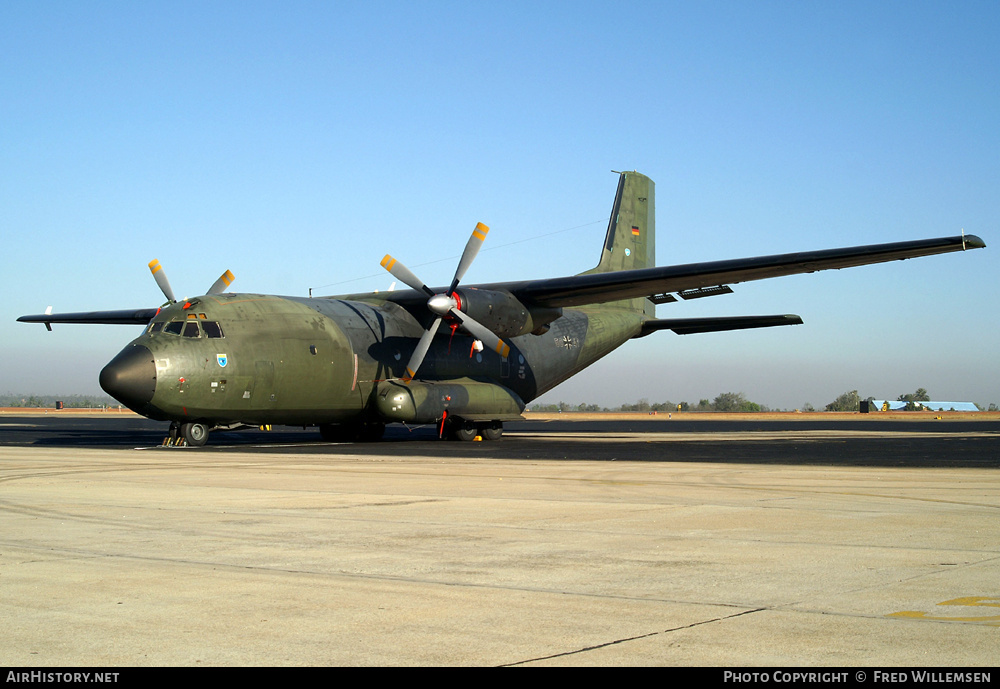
x: 297, y: 143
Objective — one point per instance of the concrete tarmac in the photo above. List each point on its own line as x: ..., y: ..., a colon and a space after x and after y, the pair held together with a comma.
x: 827, y: 546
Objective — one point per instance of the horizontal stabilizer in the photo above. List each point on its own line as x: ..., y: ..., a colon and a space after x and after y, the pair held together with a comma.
x: 690, y: 326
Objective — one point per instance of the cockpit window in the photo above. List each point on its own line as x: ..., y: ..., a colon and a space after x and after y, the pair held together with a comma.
x: 155, y: 327
x: 191, y: 329
x: 212, y: 329
x: 173, y: 327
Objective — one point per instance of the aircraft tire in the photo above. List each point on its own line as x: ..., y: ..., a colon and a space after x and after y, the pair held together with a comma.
x: 195, y: 434
x: 493, y: 431
x: 463, y: 434
x: 461, y: 430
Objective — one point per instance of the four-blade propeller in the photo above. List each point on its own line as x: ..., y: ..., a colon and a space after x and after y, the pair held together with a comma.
x: 160, y: 275
x: 446, y: 305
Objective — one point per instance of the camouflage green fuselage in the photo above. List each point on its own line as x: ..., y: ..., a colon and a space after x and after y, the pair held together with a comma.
x: 290, y: 360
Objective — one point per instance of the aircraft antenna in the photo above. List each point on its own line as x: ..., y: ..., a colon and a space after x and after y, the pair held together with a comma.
x: 602, y: 221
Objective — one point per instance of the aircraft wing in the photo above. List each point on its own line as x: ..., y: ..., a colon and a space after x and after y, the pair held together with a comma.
x: 122, y: 317
x: 593, y: 288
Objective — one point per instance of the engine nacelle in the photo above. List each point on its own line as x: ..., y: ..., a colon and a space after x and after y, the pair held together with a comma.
x: 427, y: 401
x: 500, y: 312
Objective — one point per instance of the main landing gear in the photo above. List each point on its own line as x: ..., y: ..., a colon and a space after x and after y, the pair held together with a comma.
x: 452, y: 428
x: 466, y: 431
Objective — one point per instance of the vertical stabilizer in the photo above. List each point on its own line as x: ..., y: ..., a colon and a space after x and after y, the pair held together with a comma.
x: 631, y: 239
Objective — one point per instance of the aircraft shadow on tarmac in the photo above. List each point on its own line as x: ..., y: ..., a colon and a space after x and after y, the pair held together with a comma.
x: 952, y: 445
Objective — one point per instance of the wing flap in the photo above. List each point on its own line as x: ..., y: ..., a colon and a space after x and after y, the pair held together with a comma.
x: 691, y: 326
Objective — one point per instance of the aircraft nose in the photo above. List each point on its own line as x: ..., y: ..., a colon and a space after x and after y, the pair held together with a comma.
x: 131, y: 377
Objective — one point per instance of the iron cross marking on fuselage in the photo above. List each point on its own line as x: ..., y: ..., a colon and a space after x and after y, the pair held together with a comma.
x: 566, y: 341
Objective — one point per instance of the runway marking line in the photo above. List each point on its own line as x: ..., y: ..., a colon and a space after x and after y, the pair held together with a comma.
x: 967, y: 601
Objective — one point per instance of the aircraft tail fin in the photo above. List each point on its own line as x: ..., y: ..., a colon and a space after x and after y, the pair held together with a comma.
x: 630, y: 242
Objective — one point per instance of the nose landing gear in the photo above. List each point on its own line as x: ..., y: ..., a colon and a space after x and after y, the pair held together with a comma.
x: 190, y: 434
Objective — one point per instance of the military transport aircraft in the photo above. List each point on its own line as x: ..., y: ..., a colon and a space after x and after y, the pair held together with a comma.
x: 350, y: 364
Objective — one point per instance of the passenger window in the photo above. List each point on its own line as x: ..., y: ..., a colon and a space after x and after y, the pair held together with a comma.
x: 174, y: 327
x: 191, y: 329
x: 212, y: 329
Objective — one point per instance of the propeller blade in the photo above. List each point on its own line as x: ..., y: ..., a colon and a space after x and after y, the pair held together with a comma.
x: 442, y: 305
x: 220, y: 285
x: 470, y: 253
x: 404, y: 274
x: 421, y: 351
x: 481, y: 332
x: 161, y: 279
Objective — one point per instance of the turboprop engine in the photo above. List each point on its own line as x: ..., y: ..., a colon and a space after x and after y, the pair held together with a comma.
x: 501, y: 313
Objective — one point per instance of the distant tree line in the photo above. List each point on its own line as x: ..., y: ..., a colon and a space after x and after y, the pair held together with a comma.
x: 737, y: 402
x: 851, y: 401
x: 725, y: 402
x: 49, y: 401
x: 913, y: 399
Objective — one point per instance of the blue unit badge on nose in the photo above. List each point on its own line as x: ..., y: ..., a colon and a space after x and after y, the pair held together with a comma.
x: 221, y: 358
